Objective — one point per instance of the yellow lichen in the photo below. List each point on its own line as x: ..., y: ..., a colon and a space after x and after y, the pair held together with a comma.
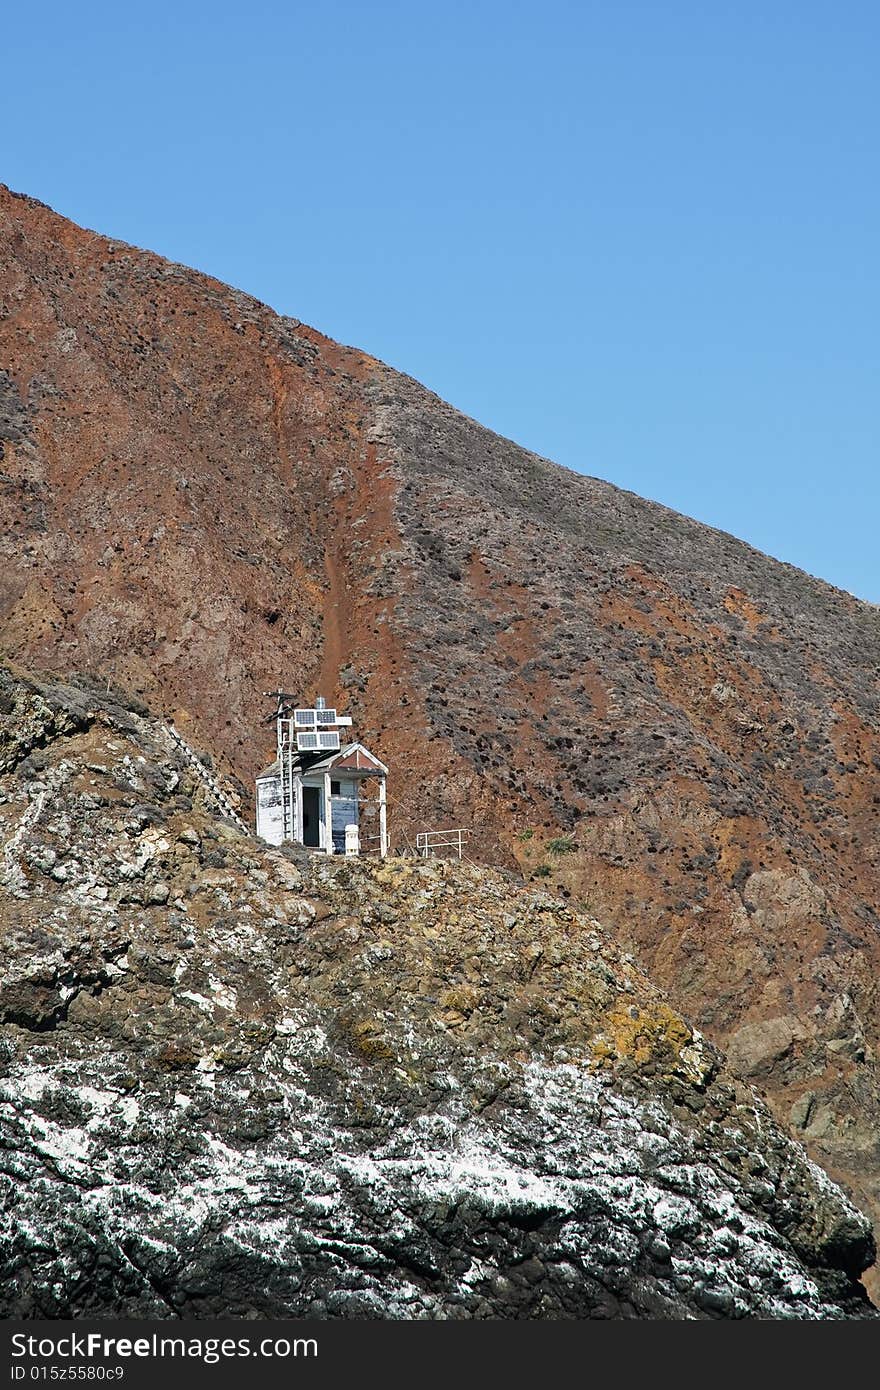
x: 462, y: 999
x: 652, y: 1033
x: 368, y: 1039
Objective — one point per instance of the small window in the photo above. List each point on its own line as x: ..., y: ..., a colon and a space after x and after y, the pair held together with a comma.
x: 335, y: 788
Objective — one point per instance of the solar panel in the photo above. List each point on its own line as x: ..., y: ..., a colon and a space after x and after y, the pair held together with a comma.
x: 328, y: 740
x: 309, y: 718
x: 307, y: 742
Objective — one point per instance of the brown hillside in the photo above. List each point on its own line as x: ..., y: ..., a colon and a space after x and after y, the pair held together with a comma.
x: 201, y: 498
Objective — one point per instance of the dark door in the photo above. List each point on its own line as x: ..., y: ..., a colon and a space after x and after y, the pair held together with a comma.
x: 311, y: 817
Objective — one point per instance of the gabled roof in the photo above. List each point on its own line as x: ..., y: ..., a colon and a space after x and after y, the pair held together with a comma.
x: 352, y: 757
x: 356, y: 757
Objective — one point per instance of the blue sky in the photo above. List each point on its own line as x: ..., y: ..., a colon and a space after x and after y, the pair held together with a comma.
x: 639, y: 238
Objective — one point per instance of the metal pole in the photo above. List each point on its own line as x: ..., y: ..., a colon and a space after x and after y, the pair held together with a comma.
x: 328, y: 814
x: 383, y: 819
x: 297, y: 809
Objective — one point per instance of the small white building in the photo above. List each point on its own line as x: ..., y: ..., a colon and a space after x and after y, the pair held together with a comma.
x: 317, y: 791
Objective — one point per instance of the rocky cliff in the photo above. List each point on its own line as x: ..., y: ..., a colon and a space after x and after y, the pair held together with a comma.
x: 242, y: 1081
x: 201, y: 498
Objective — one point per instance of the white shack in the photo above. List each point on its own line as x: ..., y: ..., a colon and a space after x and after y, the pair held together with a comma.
x: 319, y: 792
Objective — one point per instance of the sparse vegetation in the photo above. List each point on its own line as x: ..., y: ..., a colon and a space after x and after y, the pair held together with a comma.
x: 563, y: 844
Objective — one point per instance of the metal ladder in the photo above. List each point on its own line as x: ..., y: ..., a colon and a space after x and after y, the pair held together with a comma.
x: 285, y: 748
x: 209, y: 781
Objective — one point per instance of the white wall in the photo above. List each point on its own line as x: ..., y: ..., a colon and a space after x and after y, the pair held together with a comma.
x: 270, y: 822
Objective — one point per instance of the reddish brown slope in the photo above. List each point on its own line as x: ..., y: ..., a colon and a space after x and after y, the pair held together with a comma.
x: 201, y: 498
x: 181, y: 471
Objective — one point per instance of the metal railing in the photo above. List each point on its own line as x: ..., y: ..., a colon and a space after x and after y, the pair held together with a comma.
x: 433, y: 842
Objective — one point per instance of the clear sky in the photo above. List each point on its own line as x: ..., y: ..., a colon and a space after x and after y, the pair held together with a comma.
x: 640, y: 236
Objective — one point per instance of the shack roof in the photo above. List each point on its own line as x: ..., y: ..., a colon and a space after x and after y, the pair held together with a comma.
x: 350, y: 758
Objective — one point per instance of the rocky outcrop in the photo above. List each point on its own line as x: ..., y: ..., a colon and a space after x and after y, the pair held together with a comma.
x: 242, y: 1081
x: 200, y: 498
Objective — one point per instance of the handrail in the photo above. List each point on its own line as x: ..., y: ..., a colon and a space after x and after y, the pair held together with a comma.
x: 429, y: 841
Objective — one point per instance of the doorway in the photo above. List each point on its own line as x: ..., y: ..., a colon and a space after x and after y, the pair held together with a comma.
x: 311, y: 817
